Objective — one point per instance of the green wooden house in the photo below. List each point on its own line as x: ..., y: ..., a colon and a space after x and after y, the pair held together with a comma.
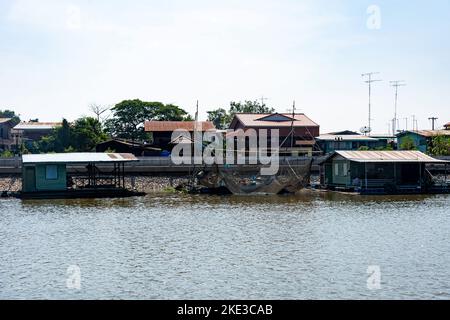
x: 388, y: 171
x: 53, y: 175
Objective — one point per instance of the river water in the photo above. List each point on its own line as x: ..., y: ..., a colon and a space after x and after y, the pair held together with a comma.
x: 170, y: 246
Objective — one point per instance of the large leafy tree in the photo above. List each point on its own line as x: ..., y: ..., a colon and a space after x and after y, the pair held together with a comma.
x: 128, y: 117
x: 10, y: 114
x: 86, y: 133
x: 170, y: 112
x: 222, y: 118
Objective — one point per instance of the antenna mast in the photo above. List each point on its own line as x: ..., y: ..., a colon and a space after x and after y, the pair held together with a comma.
x: 396, y: 84
x: 370, y: 81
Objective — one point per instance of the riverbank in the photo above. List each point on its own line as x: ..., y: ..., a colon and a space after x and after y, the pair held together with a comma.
x: 146, y: 184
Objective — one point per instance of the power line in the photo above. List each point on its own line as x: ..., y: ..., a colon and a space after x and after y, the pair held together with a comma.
x: 396, y: 84
x: 369, y: 81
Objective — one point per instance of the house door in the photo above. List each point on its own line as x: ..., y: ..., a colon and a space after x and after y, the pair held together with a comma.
x: 30, y: 179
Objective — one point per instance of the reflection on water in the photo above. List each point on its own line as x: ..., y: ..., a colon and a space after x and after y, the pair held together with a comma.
x: 168, y: 246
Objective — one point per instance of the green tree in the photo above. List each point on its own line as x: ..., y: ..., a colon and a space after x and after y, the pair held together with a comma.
x: 249, y: 107
x: 408, y: 144
x: 440, y: 146
x: 6, y: 154
x: 86, y: 133
x: 10, y: 114
x: 169, y: 112
x: 220, y: 118
x: 128, y: 119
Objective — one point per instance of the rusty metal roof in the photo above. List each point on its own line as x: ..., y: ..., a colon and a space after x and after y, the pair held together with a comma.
x: 170, y: 126
x: 78, y: 158
x: 388, y: 156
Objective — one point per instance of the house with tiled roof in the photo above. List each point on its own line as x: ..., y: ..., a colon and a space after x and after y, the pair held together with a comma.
x: 161, y: 131
x: 297, y: 132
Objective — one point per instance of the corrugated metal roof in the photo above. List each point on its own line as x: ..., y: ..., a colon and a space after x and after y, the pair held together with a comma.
x: 428, y: 133
x: 170, y: 126
x: 329, y: 137
x: 256, y: 120
x: 37, y: 125
x: 3, y: 120
x: 77, y: 157
x: 388, y: 156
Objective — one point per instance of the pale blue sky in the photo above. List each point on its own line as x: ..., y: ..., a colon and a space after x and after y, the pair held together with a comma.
x: 58, y: 56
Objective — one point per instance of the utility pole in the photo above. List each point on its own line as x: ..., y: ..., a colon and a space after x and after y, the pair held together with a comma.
x: 369, y: 81
x: 414, y: 122
x: 396, y: 84
x: 406, y: 123
x: 292, y: 125
x: 433, y: 120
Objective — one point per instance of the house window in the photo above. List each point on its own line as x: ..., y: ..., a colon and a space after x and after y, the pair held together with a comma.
x: 345, y: 169
x: 51, y: 172
x: 336, y: 169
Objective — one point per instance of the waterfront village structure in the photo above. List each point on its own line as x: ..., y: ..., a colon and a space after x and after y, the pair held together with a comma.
x: 28, y: 132
x: 6, y: 140
x: 96, y: 174
x: 162, y: 130
x: 378, y: 171
x: 422, y: 139
x: 331, y: 142
x: 296, y: 132
x: 125, y: 146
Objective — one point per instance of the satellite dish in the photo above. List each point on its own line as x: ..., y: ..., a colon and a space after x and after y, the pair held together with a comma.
x: 365, y: 130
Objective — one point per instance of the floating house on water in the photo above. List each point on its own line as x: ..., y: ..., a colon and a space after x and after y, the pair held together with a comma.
x: 382, y: 172
x: 47, y: 176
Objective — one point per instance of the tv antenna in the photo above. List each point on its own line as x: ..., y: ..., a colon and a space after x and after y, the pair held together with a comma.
x: 369, y: 81
x: 396, y: 84
x: 263, y: 99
